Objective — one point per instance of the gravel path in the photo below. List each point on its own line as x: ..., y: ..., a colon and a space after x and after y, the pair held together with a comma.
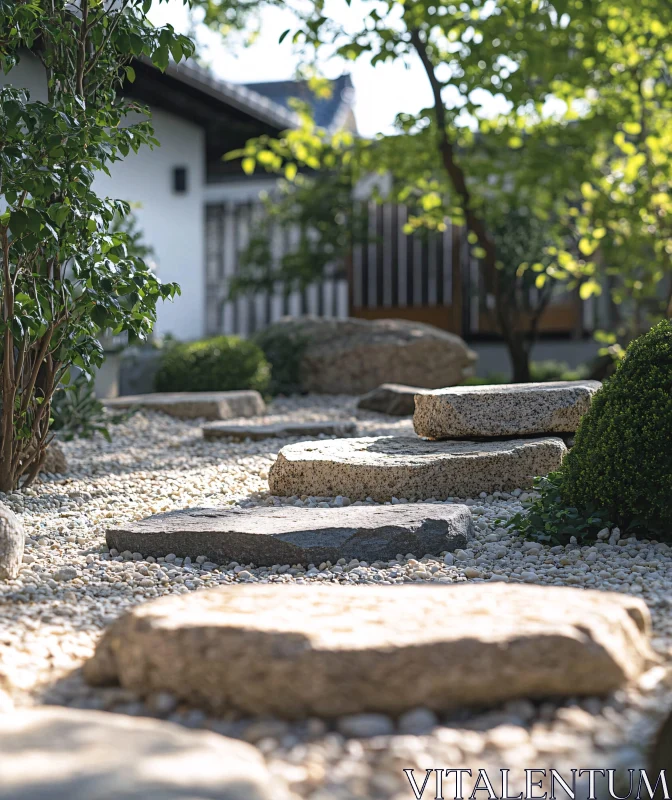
x: 71, y: 587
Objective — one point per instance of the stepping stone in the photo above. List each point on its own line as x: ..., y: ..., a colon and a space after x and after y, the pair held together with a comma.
x: 510, y: 409
x: 296, y: 651
x: 191, y: 405
x: 384, y: 467
x: 68, y: 754
x: 391, y: 398
x: 292, y: 535
x: 280, y: 430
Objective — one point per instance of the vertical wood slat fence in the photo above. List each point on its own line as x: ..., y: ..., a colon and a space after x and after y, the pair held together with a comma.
x: 426, y: 277
x: 413, y: 276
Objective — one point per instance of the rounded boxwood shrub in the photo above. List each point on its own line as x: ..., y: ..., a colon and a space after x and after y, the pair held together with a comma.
x: 220, y: 364
x: 622, y: 457
x: 620, y: 468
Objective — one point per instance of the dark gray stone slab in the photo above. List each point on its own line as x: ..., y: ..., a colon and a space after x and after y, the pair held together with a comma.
x: 391, y: 398
x: 226, y: 430
x: 291, y: 535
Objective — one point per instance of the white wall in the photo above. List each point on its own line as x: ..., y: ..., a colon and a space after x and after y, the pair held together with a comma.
x: 172, y: 224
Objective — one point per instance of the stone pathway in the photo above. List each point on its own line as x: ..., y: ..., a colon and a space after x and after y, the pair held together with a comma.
x: 267, y: 536
x: 194, y: 405
x: 71, y: 587
x: 300, y: 651
x: 408, y: 468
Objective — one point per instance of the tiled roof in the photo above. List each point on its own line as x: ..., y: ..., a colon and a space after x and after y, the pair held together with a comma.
x: 327, y: 111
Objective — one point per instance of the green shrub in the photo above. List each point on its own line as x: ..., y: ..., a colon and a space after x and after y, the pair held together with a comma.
x: 220, y: 364
x: 620, y: 468
x: 543, y: 371
x: 284, y: 351
x: 540, y: 372
x: 78, y: 414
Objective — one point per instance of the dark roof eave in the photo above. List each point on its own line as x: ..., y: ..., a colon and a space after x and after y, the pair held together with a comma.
x: 233, y: 95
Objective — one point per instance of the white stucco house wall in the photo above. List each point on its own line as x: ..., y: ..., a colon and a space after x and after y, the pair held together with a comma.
x: 197, y: 118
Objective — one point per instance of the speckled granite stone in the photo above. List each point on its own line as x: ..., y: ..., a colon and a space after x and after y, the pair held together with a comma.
x: 510, y: 409
x: 12, y: 540
x: 191, y: 405
x: 227, y: 430
x: 289, y: 535
x: 320, y: 650
x: 404, y: 467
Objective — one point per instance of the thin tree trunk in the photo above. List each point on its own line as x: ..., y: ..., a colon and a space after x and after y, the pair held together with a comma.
x: 475, y: 224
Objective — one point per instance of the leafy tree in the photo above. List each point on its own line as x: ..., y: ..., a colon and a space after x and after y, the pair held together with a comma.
x: 65, y: 275
x: 582, y: 137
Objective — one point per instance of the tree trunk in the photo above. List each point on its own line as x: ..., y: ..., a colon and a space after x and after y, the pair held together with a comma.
x: 520, y: 358
x: 519, y: 352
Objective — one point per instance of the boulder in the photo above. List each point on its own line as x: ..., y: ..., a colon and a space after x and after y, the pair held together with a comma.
x: 279, y: 430
x: 12, y: 540
x: 193, y: 405
x: 67, y: 754
x: 296, y: 651
x: 391, y: 398
x: 353, y: 356
x: 291, y: 535
x: 510, y: 409
x: 384, y: 467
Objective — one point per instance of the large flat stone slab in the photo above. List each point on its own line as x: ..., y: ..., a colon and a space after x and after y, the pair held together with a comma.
x: 407, y: 468
x: 267, y: 536
x: 510, y: 409
x: 67, y: 754
x: 278, y: 430
x: 192, y: 405
x: 332, y: 650
x: 391, y: 398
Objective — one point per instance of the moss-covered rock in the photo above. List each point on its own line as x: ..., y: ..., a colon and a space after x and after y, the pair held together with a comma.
x: 622, y: 457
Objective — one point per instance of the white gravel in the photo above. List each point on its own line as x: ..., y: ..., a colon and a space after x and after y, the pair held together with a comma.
x: 71, y: 587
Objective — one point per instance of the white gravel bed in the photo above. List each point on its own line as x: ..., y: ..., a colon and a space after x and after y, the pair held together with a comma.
x: 71, y: 587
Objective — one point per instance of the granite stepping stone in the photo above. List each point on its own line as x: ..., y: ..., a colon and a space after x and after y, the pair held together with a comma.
x: 296, y: 651
x: 279, y: 430
x: 510, y: 409
x: 68, y: 754
x: 384, y: 467
x: 292, y: 535
x: 391, y: 398
x: 192, y: 405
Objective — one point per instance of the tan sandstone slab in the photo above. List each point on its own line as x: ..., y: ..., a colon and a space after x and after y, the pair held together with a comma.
x: 191, y: 405
x: 296, y: 651
x: 510, y: 409
x: 67, y: 754
x: 384, y: 467
x: 278, y: 430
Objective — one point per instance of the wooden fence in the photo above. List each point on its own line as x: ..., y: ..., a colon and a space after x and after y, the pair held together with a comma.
x: 426, y: 277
